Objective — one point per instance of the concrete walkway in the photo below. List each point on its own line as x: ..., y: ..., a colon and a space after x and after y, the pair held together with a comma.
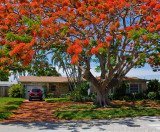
x: 138, y: 124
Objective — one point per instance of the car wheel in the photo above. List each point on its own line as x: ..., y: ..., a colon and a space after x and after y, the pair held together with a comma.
x: 41, y: 99
x: 30, y: 99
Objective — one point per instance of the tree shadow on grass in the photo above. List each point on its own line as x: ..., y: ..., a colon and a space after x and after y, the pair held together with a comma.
x: 10, y: 108
x: 15, y: 103
x: 4, y: 115
x: 77, y: 125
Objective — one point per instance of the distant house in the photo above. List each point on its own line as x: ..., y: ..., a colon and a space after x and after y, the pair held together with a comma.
x: 136, y: 85
x: 4, y: 88
x: 56, y: 85
x: 60, y: 85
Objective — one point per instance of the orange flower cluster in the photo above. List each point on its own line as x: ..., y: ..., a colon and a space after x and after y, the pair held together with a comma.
x: 75, y: 48
x: 95, y: 51
x: 108, y: 38
x: 75, y: 59
x: 81, y: 24
x: 73, y: 23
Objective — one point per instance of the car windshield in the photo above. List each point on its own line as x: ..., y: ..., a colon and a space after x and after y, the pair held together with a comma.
x: 36, y: 90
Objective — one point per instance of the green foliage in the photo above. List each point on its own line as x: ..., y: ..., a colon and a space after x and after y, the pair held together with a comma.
x: 121, y: 90
x: 4, y: 115
x: 106, y: 113
x: 81, y: 106
x: 46, y: 71
x: 151, y: 95
x: 111, y: 96
x: 58, y: 100
x: 15, y: 91
x: 136, y: 34
x: 153, y: 86
x: 153, y: 36
x: 50, y: 95
x: 80, y: 94
x: 65, y: 30
x: 93, y: 42
x: 4, y: 76
x: 7, y: 105
x: 30, y: 22
x: 13, y: 37
x: 153, y: 89
x: 67, y: 95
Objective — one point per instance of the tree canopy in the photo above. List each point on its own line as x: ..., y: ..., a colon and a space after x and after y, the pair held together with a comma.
x: 121, y: 34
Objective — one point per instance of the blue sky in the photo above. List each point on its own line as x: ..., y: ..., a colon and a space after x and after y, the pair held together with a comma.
x: 145, y: 72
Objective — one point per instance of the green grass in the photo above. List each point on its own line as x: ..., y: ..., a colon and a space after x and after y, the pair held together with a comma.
x: 81, y: 106
x: 55, y: 100
x: 7, y: 105
x: 106, y: 113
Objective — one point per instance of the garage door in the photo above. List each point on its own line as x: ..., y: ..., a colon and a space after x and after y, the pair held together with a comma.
x: 30, y: 87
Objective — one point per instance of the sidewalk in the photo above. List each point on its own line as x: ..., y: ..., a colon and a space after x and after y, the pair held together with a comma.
x: 137, y: 124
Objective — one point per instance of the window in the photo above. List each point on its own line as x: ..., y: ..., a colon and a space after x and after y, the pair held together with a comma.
x: 36, y: 90
x: 111, y: 90
x: 135, y: 88
x: 52, y: 88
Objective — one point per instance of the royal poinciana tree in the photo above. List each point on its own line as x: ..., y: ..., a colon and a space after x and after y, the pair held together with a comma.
x: 121, y: 34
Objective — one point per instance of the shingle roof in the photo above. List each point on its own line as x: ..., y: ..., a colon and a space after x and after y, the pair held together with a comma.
x: 42, y: 79
x: 134, y: 78
x: 130, y: 79
x: 60, y: 79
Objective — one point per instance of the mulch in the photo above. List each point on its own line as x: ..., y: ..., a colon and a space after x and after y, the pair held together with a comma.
x: 36, y: 111
x: 144, y: 104
x: 39, y: 111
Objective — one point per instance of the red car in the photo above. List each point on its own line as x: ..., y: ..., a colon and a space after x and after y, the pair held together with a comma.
x: 35, y: 93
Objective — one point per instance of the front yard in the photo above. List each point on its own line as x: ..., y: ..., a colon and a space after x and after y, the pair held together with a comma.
x: 8, y: 105
x: 72, y: 111
x: 57, y: 109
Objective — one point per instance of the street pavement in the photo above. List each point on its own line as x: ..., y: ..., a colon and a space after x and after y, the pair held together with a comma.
x: 137, y: 124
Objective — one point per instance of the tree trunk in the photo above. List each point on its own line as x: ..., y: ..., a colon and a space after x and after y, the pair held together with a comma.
x: 102, y: 98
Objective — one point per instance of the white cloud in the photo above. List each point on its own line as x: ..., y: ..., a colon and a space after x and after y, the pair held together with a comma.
x: 144, y: 73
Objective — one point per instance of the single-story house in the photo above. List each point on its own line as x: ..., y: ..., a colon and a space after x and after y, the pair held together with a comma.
x: 56, y: 85
x: 60, y: 85
x: 4, y: 88
x: 136, y: 85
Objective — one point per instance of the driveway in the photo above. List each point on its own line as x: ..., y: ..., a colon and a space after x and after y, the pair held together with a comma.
x: 36, y: 111
x: 138, y: 124
x: 33, y: 111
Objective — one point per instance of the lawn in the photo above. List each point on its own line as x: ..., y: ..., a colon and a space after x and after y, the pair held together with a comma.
x: 75, y: 111
x: 106, y: 113
x: 8, y: 105
x: 55, y: 100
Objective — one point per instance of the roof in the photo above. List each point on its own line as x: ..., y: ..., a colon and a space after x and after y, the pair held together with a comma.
x: 133, y: 78
x: 43, y: 79
x: 51, y: 79
x: 130, y: 79
x: 6, y: 83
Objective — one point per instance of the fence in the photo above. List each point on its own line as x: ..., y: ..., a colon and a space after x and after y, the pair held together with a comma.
x: 4, y: 91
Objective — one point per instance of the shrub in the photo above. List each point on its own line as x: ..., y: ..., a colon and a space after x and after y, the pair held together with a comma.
x: 65, y: 95
x: 153, y: 86
x: 15, y: 91
x: 153, y: 89
x: 121, y: 90
x: 111, y: 96
x: 151, y: 95
x: 50, y: 95
x: 80, y: 94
